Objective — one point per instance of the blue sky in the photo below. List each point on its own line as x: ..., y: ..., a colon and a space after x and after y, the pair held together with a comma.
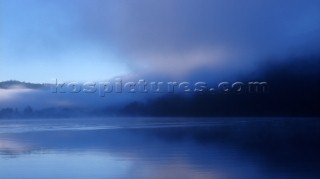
x: 96, y: 40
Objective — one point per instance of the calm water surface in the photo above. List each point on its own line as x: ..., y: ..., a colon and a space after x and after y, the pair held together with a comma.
x: 144, y: 148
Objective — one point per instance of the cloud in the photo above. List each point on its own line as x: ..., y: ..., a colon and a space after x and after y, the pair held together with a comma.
x: 180, y: 64
x: 162, y: 34
x: 174, y: 37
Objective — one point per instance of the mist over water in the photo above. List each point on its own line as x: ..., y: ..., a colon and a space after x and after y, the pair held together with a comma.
x: 160, y: 148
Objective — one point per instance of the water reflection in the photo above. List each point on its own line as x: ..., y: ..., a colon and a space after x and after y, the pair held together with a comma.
x: 160, y: 148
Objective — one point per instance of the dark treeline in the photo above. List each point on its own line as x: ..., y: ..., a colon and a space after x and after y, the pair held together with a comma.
x: 294, y: 90
x: 54, y: 112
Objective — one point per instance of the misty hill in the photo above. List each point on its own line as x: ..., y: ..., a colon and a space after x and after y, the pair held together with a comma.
x: 18, y: 84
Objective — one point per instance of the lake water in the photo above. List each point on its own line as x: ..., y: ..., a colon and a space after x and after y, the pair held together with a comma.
x: 160, y: 148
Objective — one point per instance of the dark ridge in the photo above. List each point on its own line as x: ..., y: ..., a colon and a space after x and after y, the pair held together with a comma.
x: 294, y: 90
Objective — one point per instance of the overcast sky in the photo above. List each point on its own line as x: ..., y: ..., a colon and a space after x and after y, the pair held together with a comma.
x: 99, y: 39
